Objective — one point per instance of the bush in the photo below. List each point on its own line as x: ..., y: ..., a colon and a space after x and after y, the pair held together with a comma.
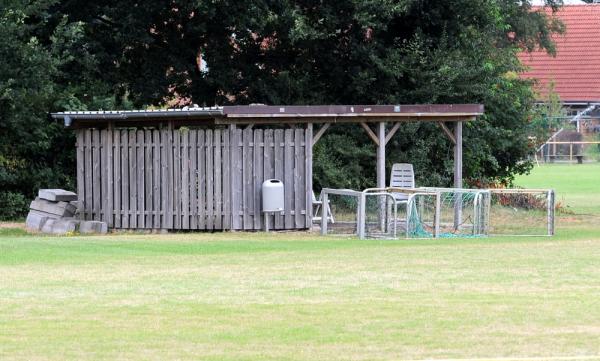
x: 12, y: 206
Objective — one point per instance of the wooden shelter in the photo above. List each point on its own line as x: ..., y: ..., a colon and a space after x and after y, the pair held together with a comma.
x: 202, y: 168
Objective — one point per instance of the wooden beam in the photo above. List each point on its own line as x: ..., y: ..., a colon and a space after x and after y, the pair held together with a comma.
x: 392, y: 131
x: 320, y: 132
x: 370, y: 133
x: 448, y: 132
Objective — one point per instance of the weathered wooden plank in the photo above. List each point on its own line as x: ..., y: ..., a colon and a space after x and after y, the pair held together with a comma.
x: 117, y: 177
x: 201, y: 179
x: 109, y: 205
x: 103, y: 179
x: 308, y: 148
x: 149, y: 190
x: 217, y: 166
x: 210, y: 210
x: 132, y: 179
x: 141, y: 171
x: 97, y: 180
x: 268, y: 169
x: 107, y: 176
x: 288, y: 175
x: 88, y: 206
x: 176, y: 171
x: 164, y: 178
x: 125, y: 178
x: 156, y: 178
x: 80, y: 171
x: 170, y: 174
x: 193, y: 176
x: 226, y: 181
x: 185, y: 180
x: 236, y: 178
x: 258, y: 177
x: 278, y: 150
x: 248, y: 194
x: 299, y: 193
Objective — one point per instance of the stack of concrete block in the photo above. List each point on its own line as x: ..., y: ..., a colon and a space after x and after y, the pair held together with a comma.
x: 54, y: 211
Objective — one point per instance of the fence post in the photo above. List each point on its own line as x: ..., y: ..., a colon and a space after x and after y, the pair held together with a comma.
x: 324, y: 207
x: 361, y: 216
x: 551, y: 211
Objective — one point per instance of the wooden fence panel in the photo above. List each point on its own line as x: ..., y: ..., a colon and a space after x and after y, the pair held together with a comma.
x: 192, y: 178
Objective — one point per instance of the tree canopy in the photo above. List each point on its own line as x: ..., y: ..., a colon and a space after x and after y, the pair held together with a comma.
x: 81, y: 55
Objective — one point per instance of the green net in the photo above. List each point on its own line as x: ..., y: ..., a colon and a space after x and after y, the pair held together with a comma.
x: 461, y: 212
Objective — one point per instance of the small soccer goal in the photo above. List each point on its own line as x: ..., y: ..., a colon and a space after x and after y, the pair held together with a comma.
x: 521, y: 212
x: 426, y: 212
x: 456, y: 213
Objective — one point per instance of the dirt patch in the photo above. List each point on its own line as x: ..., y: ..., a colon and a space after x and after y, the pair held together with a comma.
x: 20, y: 225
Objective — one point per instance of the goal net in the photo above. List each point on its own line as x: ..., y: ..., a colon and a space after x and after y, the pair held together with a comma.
x: 455, y: 213
x: 391, y: 213
x: 521, y: 212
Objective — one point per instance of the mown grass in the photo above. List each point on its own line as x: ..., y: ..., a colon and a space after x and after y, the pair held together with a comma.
x: 577, y: 186
x: 297, y: 296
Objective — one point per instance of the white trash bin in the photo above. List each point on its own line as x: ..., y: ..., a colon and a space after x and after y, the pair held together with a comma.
x: 272, y: 198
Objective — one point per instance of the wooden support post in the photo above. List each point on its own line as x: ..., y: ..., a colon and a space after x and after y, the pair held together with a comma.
x: 391, y: 133
x: 320, y: 132
x: 458, y: 176
x: 371, y: 134
x: 458, y: 158
x: 308, y: 143
x: 447, y: 132
x: 381, y: 171
x: 570, y: 153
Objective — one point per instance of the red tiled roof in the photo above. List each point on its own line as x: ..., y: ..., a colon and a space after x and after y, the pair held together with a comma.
x: 576, y: 68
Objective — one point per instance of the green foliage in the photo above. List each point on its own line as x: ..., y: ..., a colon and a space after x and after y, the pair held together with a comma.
x: 12, y: 205
x: 45, y: 66
x: 81, y: 55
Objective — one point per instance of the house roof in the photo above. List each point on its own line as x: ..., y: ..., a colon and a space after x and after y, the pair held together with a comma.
x: 277, y: 114
x: 576, y: 68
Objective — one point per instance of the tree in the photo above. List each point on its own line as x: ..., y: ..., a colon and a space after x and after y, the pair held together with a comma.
x: 310, y: 52
x: 38, y: 74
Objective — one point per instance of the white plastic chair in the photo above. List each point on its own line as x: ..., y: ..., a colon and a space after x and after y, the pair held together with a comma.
x: 402, y: 176
x: 317, y: 204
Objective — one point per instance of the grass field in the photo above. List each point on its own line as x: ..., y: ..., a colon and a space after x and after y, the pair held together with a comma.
x: 577, y: 185
x: 293, y: 296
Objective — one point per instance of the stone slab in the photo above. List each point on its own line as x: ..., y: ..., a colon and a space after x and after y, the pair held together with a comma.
x: 93, y: 227
x: 57, y: 195
x: 47, y: 227
x: 62, y: 226
x: 61, y: 209
x: 35, y: 221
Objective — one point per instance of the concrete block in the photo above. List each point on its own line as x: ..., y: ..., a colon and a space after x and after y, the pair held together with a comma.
x: 61, y: 209
x: 47, y: 227
x: 35, y: 221
x: 57, y: 195
x: 63, y: 226
x: 93, y: 227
